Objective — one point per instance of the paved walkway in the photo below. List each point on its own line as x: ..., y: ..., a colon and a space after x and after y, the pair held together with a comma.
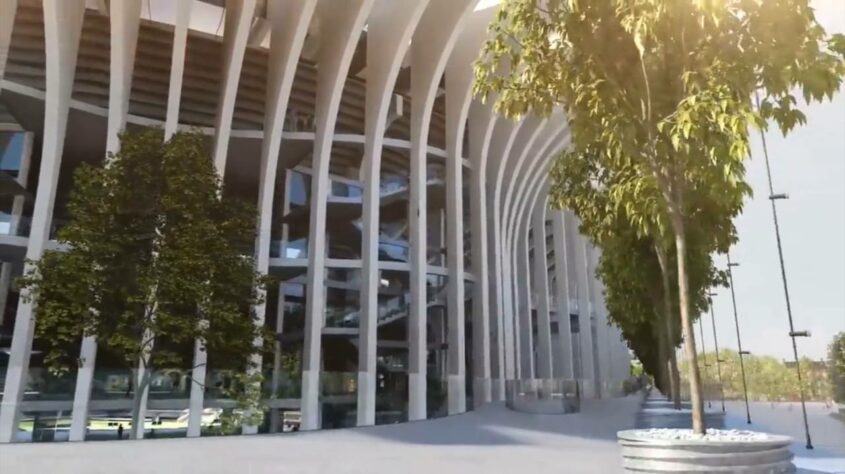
x: 488, y: 441
x: 827, y: 432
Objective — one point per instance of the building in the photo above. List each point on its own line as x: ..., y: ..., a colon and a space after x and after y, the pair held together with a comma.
x: 404, y: 218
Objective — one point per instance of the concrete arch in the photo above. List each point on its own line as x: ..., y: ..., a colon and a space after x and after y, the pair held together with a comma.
x: 391, y: 26
x: 432, y: 44
x: 342, y: 25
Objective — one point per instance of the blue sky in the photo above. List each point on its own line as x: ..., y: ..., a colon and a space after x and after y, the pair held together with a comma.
x: 809, y: 165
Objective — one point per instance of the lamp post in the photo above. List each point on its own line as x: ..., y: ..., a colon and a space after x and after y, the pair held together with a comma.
x: 739, y: 339
x: 792, y: 333
x: 716, y: 345
x: 704, y: 353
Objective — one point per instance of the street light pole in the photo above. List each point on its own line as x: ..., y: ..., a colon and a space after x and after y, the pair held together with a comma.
x: 738, y: 338
x: 716, y: 344
x: 704, y: 355
x: 792, y: 333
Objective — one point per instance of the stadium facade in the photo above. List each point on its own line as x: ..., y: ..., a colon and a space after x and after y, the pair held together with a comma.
x: 420, y: 266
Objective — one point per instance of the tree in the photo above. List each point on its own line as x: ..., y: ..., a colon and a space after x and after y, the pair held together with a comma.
x: 836, y: 360
x: 156, y: 256
x: 658, y: 92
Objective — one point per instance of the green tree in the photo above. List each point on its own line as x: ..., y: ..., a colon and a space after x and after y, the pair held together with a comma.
x: 658, y: 94
x: 156, y: 256
x: 836, y: 361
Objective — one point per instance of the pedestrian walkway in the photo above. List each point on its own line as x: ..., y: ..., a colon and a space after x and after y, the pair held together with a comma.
x: 828, y: 432
x: 487, y: 441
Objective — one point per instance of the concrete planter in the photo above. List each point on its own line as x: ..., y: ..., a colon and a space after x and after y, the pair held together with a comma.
x: 643, y: 451
x: 665, y: 404
x: 668, y: 417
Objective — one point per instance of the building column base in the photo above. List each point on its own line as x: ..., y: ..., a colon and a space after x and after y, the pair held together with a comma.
x: 457, y: 394
x: 416, y: 397
x: 310, y: 400
x: 366, y: 398
x: 482, y: 389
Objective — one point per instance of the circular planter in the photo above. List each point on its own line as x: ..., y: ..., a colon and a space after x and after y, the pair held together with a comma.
x: 664, y: 404
x: 668, y: 450
x: 668, y: 417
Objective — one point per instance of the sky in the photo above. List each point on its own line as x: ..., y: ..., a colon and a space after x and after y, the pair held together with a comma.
x: 809, y: 165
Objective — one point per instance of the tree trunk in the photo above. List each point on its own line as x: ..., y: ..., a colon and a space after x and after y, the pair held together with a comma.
x: 138, y: 399
x: 662, y: 374
x: 672, y: 360
x: 686, y: 325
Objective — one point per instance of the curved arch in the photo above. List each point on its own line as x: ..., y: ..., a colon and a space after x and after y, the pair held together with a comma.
x: 504, y: 133
x: 62, y: 31
x: 517, y: 248
x: 433, y: 41
x: 389, y: 32
x: 342, y: 24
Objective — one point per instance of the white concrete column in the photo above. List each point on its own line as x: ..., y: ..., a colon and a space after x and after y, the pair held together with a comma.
x: 8, y: 9
x: 62, y: 29
x: 391, y: 24
x: 541, y: 289
x: 238, y: 21
x: 504, y: 134
x: 459, y: 78
x: 515, y: 302
x: 525, y: 169
x: 564, y: 367
x: 288, y: 22
x: 528, y: 186
x: 481, y: 121
x: 124, y: 19
x: 522, y: 288
x: 588, y: 374
x: 595, y: 341
x: 124, y: 22
x: 432, y: 43
x: 177, y: 66
x: 602, y: 329
x: 341, y: 25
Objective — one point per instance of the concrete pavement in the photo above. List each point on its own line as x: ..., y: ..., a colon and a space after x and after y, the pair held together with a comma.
x: 490, y: 440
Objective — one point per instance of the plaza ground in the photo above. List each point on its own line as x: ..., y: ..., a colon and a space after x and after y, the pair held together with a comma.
x: 490, y: 440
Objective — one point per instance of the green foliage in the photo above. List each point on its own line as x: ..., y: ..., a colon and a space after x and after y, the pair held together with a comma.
x: 245, y: 390
x: 836, y: 361
x: 153, y: 248
x: 768, y: 378
x: 658, y: 94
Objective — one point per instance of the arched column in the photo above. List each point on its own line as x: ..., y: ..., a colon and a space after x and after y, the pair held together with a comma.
x: 62, y: 30
x: 389, y: 31
x: 341, y: 25
x: 526, y: 166
x: 481, y: 121
x: 541, y: 287
x: 580, y: 265
x: 177, y: 66
x: 564, y: 368
x: 528, y: 187
x: 432, y: 43
x: 288, y: 23
x: 504, y: 134
x: 124, y: 22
